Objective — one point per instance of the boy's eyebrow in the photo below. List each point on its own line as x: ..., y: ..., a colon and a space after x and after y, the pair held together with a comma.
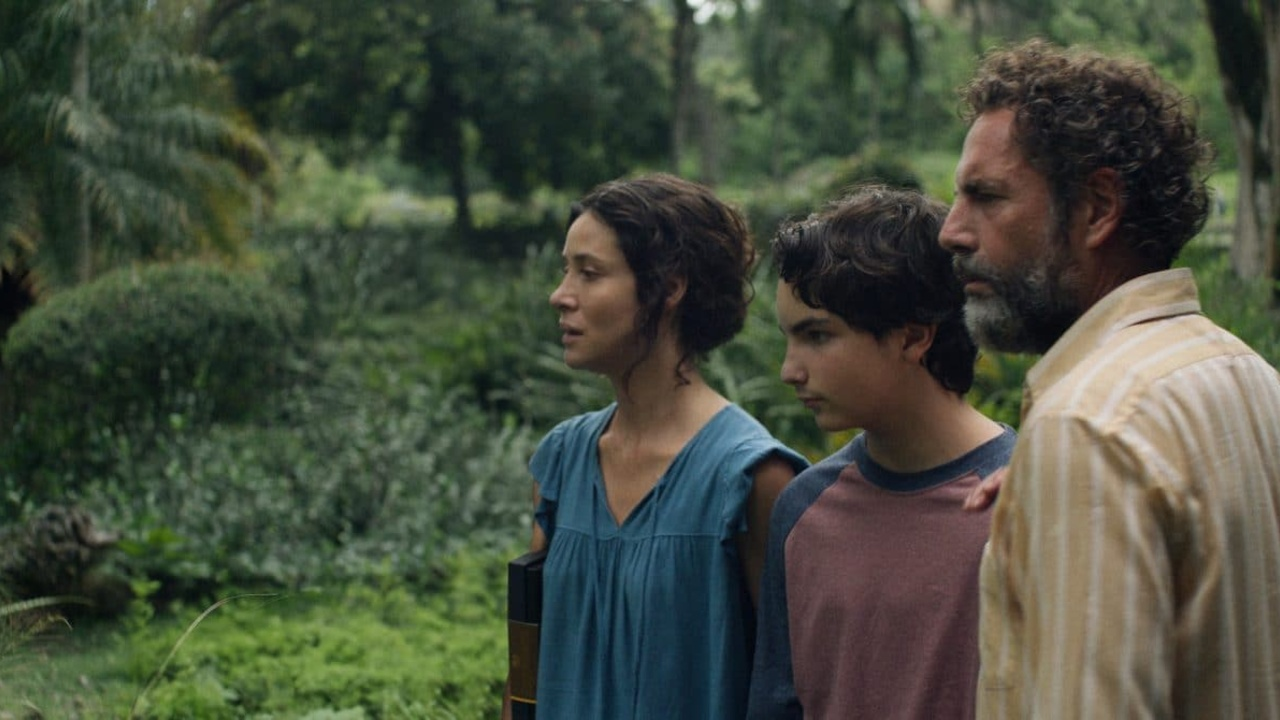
x: 808, y: 323
x: 580, y: 257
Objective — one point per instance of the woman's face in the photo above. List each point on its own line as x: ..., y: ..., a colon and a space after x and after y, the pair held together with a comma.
x: 596, y: 300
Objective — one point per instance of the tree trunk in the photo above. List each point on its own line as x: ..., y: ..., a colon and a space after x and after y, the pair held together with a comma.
x: 1271, y: 33
x: 684, y: 44
x: 80, y: 95
x: 710, y: 140
x: 443, y: 136
x: 1252, y: 92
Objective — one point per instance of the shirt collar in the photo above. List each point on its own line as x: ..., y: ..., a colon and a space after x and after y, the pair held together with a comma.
x: 1163, y: 294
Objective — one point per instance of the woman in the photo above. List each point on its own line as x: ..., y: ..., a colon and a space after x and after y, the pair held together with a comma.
x: 656, y: 507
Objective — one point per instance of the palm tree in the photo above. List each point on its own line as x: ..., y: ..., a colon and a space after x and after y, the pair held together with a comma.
x: 115, y: 146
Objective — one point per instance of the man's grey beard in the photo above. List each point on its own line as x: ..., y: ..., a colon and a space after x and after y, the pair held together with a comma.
x: 1026, y: 311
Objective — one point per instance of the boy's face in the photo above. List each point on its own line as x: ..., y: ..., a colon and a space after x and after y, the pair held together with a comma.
x: 843, y: 374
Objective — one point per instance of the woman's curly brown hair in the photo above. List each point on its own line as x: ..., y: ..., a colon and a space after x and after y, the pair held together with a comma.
x: 1078, y: 111
x: 671, y: 229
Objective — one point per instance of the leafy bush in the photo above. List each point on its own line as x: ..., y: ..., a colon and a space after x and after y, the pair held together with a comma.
x: 351, y: 484
x: 343, y: 275
x: 372, y: 651
x: 375, y: 650
x: 1245, y: 309
x: 872, y: 164
x: 129, y: 350
x: 813, y: 185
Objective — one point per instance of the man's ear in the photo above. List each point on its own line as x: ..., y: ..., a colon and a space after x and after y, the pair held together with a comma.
x: 917, y: 338
x: 1103, y: 197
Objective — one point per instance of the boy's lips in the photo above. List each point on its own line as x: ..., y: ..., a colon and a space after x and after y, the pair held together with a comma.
x: 809, y: 401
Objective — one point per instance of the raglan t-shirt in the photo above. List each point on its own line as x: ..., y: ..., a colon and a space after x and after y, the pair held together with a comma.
x: 869, y: 602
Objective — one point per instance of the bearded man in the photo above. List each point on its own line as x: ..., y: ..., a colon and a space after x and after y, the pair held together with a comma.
x: 1133, y: 569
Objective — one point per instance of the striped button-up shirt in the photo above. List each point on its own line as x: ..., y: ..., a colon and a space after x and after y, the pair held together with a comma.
x: 1133, y: 569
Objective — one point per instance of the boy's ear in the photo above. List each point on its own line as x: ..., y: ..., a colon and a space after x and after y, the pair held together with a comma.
x: 675, y: 293
x: 917, y: 338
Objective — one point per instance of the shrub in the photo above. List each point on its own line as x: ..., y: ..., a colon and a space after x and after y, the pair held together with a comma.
x: 371, y: 651
x: 351, y: 485
x: 340, y: 275
x: 128, y: 351
x: 1244, y: 308
x: 873, y: 164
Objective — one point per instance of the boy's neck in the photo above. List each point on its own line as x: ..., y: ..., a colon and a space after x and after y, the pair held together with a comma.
x: 930, y: 432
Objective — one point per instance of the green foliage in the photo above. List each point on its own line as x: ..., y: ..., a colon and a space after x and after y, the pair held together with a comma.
x: 115, y: 145
x: 371, y: 651
x: 532, y: 94
x: 997, y: 385
x: 343, y: 277
x: 748, y: 369
x: 1241, y: 307
x: 512, y: 358
x: 375, y: 650
x: 873, y: 164
x: 349, y: 484
x: 138, y: 349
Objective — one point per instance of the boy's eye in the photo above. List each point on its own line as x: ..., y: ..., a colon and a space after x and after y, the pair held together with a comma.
x: 584, y: 272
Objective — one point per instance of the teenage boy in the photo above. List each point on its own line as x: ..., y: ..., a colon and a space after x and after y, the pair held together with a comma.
x: 869, y: 602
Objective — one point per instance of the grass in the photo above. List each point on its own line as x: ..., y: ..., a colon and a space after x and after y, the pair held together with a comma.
x: 360, y: 651
x: 67, y: 671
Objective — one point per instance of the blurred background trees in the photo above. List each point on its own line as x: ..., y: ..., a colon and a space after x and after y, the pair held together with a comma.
x: 273, y: 273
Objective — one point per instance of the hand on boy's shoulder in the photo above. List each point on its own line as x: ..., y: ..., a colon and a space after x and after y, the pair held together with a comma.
x: 983, y: 495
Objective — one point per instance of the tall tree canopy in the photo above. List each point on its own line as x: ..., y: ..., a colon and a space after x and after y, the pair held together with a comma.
x: 114, y: 144
x: 532, y: 93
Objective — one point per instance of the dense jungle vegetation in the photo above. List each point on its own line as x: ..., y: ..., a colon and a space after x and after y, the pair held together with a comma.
x: 273, y: 281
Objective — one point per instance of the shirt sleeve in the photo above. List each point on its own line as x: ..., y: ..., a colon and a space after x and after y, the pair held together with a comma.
x: 1088, y: 606
x: 547, y: 469
x: 773, y: 688
x: 738, y: 476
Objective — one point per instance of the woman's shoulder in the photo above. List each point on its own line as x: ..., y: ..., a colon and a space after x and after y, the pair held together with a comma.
x: 746, y: 441
x: 587, y: 424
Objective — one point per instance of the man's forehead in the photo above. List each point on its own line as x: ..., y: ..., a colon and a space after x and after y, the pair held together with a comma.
x: 990, y: 151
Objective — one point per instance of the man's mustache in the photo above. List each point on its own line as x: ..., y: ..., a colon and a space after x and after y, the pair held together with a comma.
x: 969, y: 270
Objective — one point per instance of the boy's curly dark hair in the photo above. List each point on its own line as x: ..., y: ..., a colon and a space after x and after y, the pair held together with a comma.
x: 671, y: 229
x: 873, y: 259
x: 1077, y: 111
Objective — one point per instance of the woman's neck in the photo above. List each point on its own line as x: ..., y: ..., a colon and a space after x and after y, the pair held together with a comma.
x: 658, y: 402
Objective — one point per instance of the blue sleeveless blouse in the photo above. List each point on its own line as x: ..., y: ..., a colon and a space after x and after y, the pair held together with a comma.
x: 651, y: 619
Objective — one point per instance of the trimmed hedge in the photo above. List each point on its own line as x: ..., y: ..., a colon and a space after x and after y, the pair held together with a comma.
x: 139, y: 347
